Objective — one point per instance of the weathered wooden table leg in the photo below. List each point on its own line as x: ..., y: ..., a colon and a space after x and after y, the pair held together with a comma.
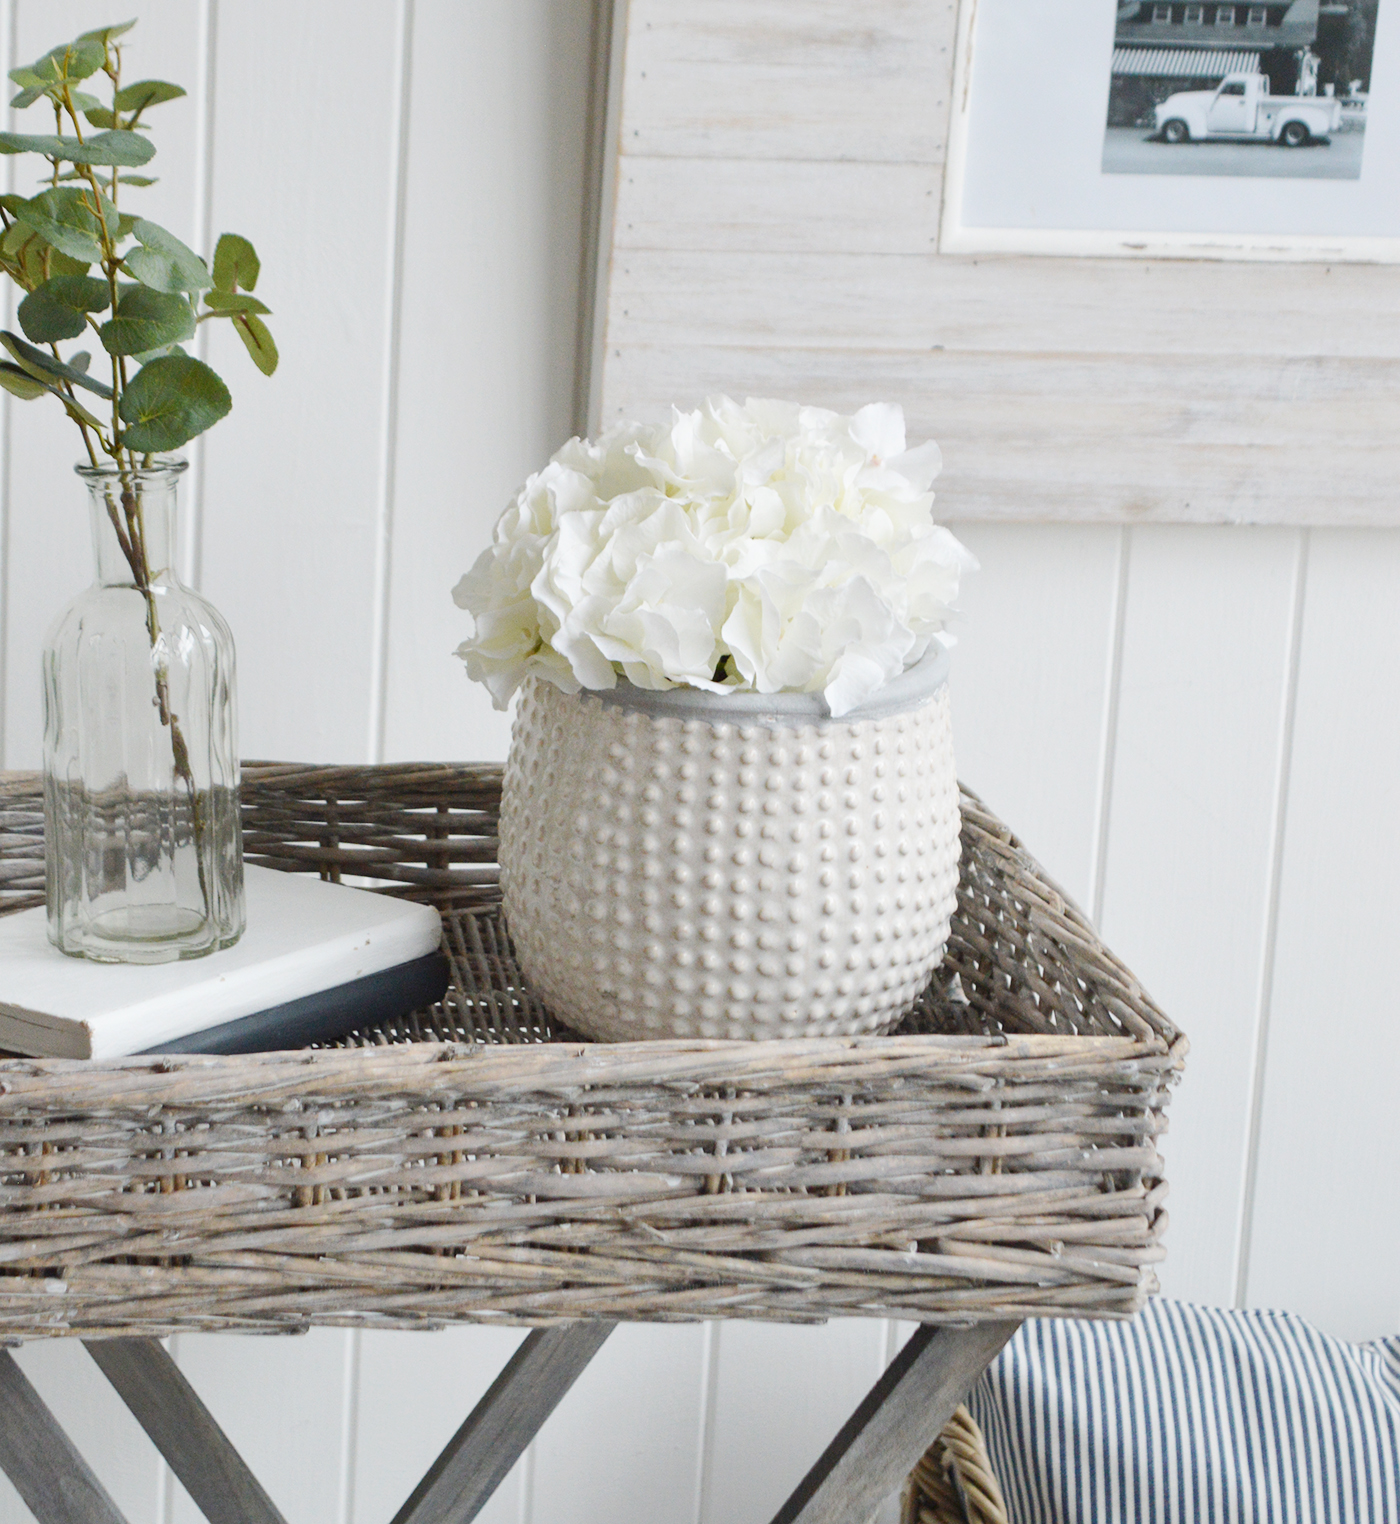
x: 867, y: 1460
x: 503, y: 1423
x: 39, y: 1458
x: 899, y: 1419
x: 184, y: 1431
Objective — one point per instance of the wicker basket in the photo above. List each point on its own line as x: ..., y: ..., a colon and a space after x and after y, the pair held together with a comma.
x: 954, y: 1483
x: 994, y: 1158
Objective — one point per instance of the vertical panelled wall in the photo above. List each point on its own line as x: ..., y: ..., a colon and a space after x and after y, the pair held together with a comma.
x: 1196, y: 728
x: 411, y: 172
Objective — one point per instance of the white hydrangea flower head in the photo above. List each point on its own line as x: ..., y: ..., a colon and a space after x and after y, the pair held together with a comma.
x: 765, y: 548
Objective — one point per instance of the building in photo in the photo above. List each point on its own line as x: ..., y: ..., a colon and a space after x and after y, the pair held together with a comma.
x: 1304, y: 47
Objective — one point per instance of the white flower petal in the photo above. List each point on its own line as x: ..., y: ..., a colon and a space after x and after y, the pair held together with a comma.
x: 794, y: 541
x: 879, y: 429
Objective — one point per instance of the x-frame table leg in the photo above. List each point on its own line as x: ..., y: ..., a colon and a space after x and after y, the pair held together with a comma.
x: 60, y: 1488
x: 57, y: 1483
x: 478, y: 1456
x: 184, y: 1431
x: 899, y: 1419
x: 867, y: 1460
x: 39, y: 1458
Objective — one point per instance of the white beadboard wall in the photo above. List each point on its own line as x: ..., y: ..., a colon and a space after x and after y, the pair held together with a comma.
x: 1198, y: 729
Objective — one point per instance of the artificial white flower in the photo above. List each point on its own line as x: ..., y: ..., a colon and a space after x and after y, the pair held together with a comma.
x: 765, y: 547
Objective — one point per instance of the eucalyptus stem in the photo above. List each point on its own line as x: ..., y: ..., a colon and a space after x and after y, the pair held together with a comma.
x: 133, y: 545
x: 72, y: 259
x: 110, y: 264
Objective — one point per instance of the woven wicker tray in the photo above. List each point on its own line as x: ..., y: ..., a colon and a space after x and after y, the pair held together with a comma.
x: 995, y: 1158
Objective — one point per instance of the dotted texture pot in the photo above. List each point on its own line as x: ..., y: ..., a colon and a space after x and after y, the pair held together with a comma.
x: 685, y: 864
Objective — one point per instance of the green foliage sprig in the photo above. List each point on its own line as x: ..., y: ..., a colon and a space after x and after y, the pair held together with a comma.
x: 143, y: 301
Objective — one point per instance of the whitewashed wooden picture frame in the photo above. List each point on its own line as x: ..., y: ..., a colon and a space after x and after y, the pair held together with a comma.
x: 772, y: 202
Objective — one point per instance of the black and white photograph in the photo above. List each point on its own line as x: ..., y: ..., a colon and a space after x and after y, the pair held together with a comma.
x: 1273, y: 91
x: 1176, y: 128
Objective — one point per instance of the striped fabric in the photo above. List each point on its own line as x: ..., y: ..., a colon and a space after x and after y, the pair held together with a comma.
x: 1191, y: 1415
x: 1184, y: 63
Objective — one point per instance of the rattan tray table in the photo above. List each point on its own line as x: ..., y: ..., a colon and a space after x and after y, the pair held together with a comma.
x: 993, y: 1159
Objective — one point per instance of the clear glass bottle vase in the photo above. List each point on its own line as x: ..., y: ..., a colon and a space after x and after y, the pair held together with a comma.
x: 143, y: 844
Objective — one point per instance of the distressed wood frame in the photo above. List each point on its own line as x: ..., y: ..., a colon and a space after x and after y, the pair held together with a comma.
x: 770, y: 206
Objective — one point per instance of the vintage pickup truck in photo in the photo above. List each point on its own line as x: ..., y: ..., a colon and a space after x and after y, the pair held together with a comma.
x: 1242, y: 108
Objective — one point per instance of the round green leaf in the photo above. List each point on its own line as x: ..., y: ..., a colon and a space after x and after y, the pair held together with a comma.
x: 16, y: 236
x: 32, y: 88
x: 64, y: 65
x: 148, y: 92
x: 233, y: 301
x: 123, y: 148
x: 63, y: 218
x: 85, y: 292
x: 107, y: 33
x: 36, y: 88
x: 127, y: 150
x: 61, y: 264
x: 70, y: 61
x: 56, y: 309
x: 46, y: 321
x: 37, y: 260
x: 46, y: 368
x: 236, y: 264
x: 146, y: 320
x: 163, y: 262
x: 169, y: 401
x: 32, y: 142
x: 20, y: 383
x: 257, y: 340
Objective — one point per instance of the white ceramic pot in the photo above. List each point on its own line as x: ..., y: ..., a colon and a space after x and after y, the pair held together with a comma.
x: 685, y: 864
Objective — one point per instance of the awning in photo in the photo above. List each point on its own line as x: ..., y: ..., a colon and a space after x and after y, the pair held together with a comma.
x: 1184, y: 63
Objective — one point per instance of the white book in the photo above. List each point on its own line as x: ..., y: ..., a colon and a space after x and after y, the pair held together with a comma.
x: 304, y: 938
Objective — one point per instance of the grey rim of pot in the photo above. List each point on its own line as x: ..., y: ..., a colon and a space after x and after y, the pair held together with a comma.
x: 914, y: 686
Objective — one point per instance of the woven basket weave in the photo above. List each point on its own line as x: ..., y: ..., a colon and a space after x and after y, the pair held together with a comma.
x: 994, y: 1158
x: 953, y: 1482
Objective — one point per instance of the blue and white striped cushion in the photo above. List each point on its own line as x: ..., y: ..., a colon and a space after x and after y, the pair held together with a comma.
x: 1191, y: 1415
